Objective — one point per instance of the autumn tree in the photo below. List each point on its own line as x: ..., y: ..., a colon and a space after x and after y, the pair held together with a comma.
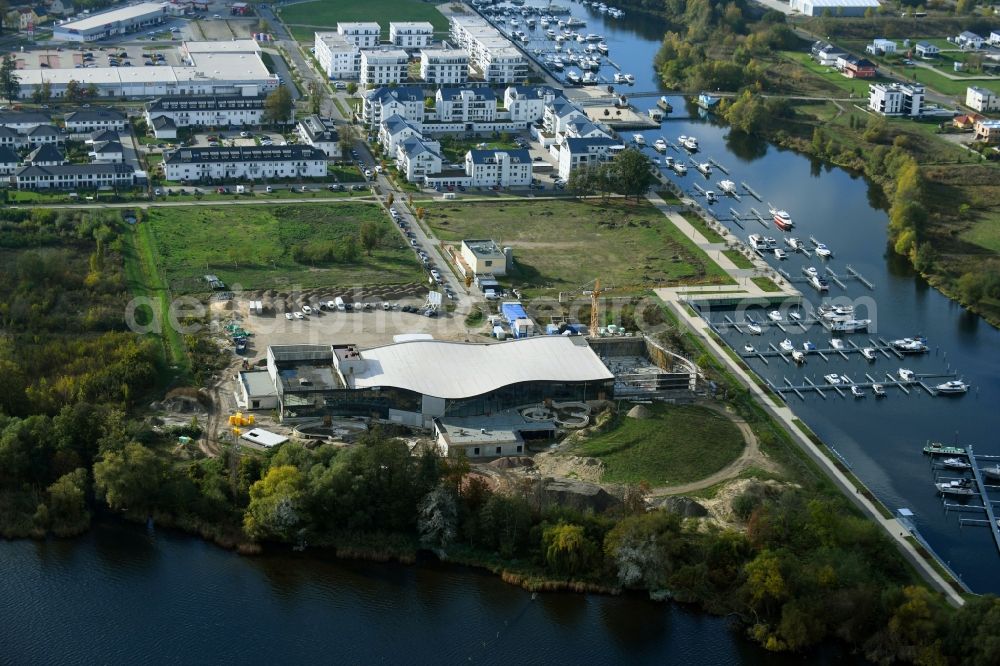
x: 276, y: 504
x: 370, y: 234
x: 567, y: 549
x: 633, y: 174
x: 130, y: 479
x: 278, y: 106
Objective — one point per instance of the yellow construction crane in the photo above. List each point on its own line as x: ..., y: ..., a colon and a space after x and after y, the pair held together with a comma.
x: 595, y: 307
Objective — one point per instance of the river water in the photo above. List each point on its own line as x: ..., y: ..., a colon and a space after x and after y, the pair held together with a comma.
x: 124, y: 594
x: 880, y: 440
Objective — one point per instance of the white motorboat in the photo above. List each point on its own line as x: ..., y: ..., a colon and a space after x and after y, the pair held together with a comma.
x: 869, y: 353
x: 619, y: 77
x: 810, y: 271
x: 756, y: 241
x: 668, y: 161
x: 795, y: 315
x: 798, y: 357
x: 770, y: 242
x: 819, y: 283
x: 602, y: 48
x: 836, y: 344
x: 749, y: 349
x: 955, y: 463
x: 910, y: 345
x: 953, y: 387
x: 551, y: 34
x: 833, y: 379
x: 774, y: 315
x: 822, y: 251
x: 779, y: 254
x: 782, y: 219
x: 794, y: 243
x: 849, y: 325
x: 710, y: 197
x: 962, y: 487
x: 639, y: 139
x: 786, y: 345
x: 808, y: 346
x: 754, y: 328
x: 629, y: 79
x: 878, y: 390
x: 589, y: 79
x: 857, y: 391
x: 679, y: 168
x: 660, y: 145
x: 704, y: 168
x: 728, y: 187
x: 574, y: 78
x: 906, y: 375
x: 688, y: 142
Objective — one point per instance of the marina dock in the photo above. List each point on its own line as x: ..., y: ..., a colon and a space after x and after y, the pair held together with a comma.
x: 718, y: 166
x: 751, y: 192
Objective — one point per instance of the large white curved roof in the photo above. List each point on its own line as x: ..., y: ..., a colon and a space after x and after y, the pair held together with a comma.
x: 455, y: 370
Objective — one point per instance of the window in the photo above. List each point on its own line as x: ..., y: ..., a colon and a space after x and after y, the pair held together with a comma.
x: 520, y: 448
x: 499, y: 450
x: 475, y: 451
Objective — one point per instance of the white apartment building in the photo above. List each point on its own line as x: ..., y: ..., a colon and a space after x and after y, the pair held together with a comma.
x: 527, y: 103
x: 576, y: 152
x: 244, y: 163
x: 410, y: 34
x: 363, y: 33
x: 444, y: 67
x: 320, y: 133
x: 339, y: 57
x: 465, y: 105
x: 896, y: 99
x: 498, y: 168
x: 394, y: 130
x: 207, y: 110
x: 496, y: 58
x: 416, y: 158
x: 381, y: 67
x: 982, y: 99
x: 382, y: 103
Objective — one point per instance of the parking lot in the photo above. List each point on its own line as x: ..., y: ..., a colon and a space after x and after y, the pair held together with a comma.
x: 92, y: 56
x: 236, y: 138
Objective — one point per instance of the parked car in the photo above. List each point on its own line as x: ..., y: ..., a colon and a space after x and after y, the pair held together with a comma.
x: 307, y: 310
x: 299, y: 315
x: 288, y: 316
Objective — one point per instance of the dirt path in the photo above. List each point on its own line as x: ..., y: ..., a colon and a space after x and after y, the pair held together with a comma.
x: 751, y: 456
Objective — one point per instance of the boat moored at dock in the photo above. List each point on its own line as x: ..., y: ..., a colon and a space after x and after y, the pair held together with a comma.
x: 953, y: 387
x: 939, y: 449
x: 958, y: 487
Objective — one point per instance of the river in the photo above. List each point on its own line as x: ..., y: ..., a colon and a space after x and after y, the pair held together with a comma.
x: 880, y: 440
x: 124, y: 594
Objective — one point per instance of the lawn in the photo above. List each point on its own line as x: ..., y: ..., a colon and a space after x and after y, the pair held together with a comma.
x: 985, y: 233
x: 677, y: 444
x: 830, y: 74
x: 710, y: 235
x: 766, y: 284
x: 560, y: 245
x: 255, y: 246
x: 737, y: 258
x: 345, y: 173
x: 327, y: 13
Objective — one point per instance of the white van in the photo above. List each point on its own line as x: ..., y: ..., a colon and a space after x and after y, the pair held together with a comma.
x: 448, y: 195
x: 240, y: 189
x: 340, y: 304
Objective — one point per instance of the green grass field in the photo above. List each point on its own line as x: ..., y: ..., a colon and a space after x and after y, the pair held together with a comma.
x: 326, y: 13
x: 985, y: 233
x: 678, y: 444
x: 253, y: 246
x: 706, y: 231
x: 560, y: 245
x: 738, y: 259
x: 830, y: 74
x: 453, y: 150
x: 765, y: 284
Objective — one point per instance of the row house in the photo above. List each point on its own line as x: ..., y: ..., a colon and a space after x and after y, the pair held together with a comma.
x: 85, y: 121
x: 320, y: 133
x: 381, y: 103
x: 74, y: 176
x: 205, y: 111
x: 245, y: 163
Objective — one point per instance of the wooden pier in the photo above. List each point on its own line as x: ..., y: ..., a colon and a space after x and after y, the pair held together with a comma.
x: 718, y: 166
x: 857, y: 276
x: 751, y: 192
x: 760, y: 218
x: 835, y: 278
x: 736, y: 217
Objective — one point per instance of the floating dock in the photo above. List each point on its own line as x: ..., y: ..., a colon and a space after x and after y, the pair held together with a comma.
x: 751, y: 192
x: 718, y: 166
x: 857, y: 276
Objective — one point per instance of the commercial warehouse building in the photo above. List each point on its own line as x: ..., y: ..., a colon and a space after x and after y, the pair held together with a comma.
x: 412, y: 383
x: 213, y: 68
x: 120, y: 21
x: 834, y: 7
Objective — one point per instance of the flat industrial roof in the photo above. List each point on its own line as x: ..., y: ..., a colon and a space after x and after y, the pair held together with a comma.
x: 263, y: 437
x: 232, y: 46
x: 455, y: 370
x: 114, y: 16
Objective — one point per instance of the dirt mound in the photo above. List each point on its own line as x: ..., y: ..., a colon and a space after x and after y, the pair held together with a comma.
x: 180, y: 404
x: 578, y: 495
x: 512, y: 462
x: 639, y: 412
x: 682, y: 506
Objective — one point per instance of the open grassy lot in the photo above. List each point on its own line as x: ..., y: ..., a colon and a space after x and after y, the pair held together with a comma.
x: 710, y: 235
x: 984, y: 233
x: 263, y: 247
x: 560, y: 245
x: 677, y: 444
x: 829, y: 74
x: 765, y: 284
x: 738, y: 259
x: 329, y: 12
